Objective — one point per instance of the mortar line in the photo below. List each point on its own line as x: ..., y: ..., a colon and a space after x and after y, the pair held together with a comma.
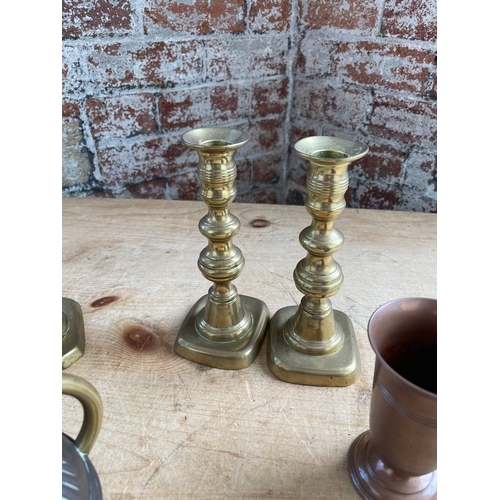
x: 290, y: 65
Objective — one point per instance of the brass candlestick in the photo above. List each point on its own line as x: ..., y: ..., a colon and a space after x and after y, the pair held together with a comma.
x: 223, y: 329
x: 313, y: 344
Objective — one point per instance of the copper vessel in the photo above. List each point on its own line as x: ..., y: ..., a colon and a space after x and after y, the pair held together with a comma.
x: 396, y: 458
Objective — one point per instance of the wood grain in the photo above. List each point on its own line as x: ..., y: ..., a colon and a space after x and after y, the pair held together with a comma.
x: 174, y: 429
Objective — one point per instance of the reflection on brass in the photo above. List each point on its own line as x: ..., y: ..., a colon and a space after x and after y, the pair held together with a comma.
x: 79, y: 477
x: 397, y: 458
x: 73, y: 332
x: 313, y: 344
x: 223, y: 329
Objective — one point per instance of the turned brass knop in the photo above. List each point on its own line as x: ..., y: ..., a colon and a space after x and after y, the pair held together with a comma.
x: 322, y: 341
x: 223, y: 329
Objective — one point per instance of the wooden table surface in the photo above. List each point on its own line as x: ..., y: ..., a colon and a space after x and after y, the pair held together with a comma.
x: 173, y: 429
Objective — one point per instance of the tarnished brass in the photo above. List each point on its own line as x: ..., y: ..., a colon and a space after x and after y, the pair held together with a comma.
x: 313, y: 344
x: 397, y: 458
x: 73, y: 332
x: 79, y: 477
x: 223, y: 329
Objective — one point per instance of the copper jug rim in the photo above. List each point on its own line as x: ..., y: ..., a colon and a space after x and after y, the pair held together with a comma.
x: 426, y: 300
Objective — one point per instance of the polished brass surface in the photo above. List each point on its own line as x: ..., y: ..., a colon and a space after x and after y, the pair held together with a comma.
x: 73, y: 332
x: 222, y: 330
x: 397, y: 458
x: 313, y: 344
x: 88, y: 396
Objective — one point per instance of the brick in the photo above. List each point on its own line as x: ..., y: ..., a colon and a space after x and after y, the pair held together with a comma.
x: 421, y: 172
x: 298, y: 169
x: 433, y: 91
x: 135, y: 162
x: 410, y: 19
x: 243, y: 172
x: 239, y: 57
x: 72, y: 75
x: 70, y: 109
x: 101, y: 194
x: 295, y: 197
x: 76, y: 164
x: 148, y: 190
x: 381, y: 162
x: 388, y: 66
x: 315, y: 57
x: 267, y: 168
x: 203, y: 106
x: 145, y: 64
x: 184, y: 186
x: 359, y: 15
x: 95, y: 17
x: 121, y: 116
x: 270, y: 15
x: 378, y: 196
x: 196, y: 17
x: 321, y: 101
x: 407, y: 120
x: 270, y: 97
x: 265, y: 135
x: 304, y: 127
x: 264, y: 195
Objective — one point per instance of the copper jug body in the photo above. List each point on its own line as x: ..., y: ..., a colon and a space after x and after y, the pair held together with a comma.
x: 397, y: 457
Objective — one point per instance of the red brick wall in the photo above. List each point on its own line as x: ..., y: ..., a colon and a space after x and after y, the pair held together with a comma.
x: 139, y: 73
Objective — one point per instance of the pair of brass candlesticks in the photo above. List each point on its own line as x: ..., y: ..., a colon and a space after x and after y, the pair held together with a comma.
x: 310, y: 344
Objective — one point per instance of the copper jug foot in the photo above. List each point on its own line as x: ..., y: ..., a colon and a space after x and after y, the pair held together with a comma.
x: 340, y: 368
x: 376, y: 481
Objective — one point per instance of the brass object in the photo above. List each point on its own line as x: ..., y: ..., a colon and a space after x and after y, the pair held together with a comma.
x: 79, y: 477
x: 313, y: 344
x: 223, y: 329
x: 397, y: 458
x: 73, y: 332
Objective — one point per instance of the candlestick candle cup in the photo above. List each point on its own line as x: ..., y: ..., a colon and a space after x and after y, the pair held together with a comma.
x: 223, y: 329
x: 396, y: 459
x: 312, y: 343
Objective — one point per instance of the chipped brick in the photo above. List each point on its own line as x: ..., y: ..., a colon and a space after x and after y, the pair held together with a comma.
x: 388, y: 66
x: 197, y: 17
x: 267, y: 168
x: 202, y: 106
x: 260, y: 57
x: 264, y: 195
x: 270, y: 15
x: 269, y: 97
x: 359, y: 15
x: 148, y: 190
x: 407, y: 120
x: 145, y: 64
x: 315, y: 57
x: 411, y: 19
x: 184, y: 186
x: 121, y: 116
x: 76, y: 164
x: 321, y: 101
x: 95, y: 17
x: 143, y: 160
x: 381, y: 162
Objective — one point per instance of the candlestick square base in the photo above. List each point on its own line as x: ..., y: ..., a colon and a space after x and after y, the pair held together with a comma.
x: 340, y: 368
x: 233, y: 355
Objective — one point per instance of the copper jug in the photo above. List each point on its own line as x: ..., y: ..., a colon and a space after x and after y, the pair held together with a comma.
x: 396, y: 458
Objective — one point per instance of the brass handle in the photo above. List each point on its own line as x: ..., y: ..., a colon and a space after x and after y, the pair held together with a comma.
x: 85, y: 392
